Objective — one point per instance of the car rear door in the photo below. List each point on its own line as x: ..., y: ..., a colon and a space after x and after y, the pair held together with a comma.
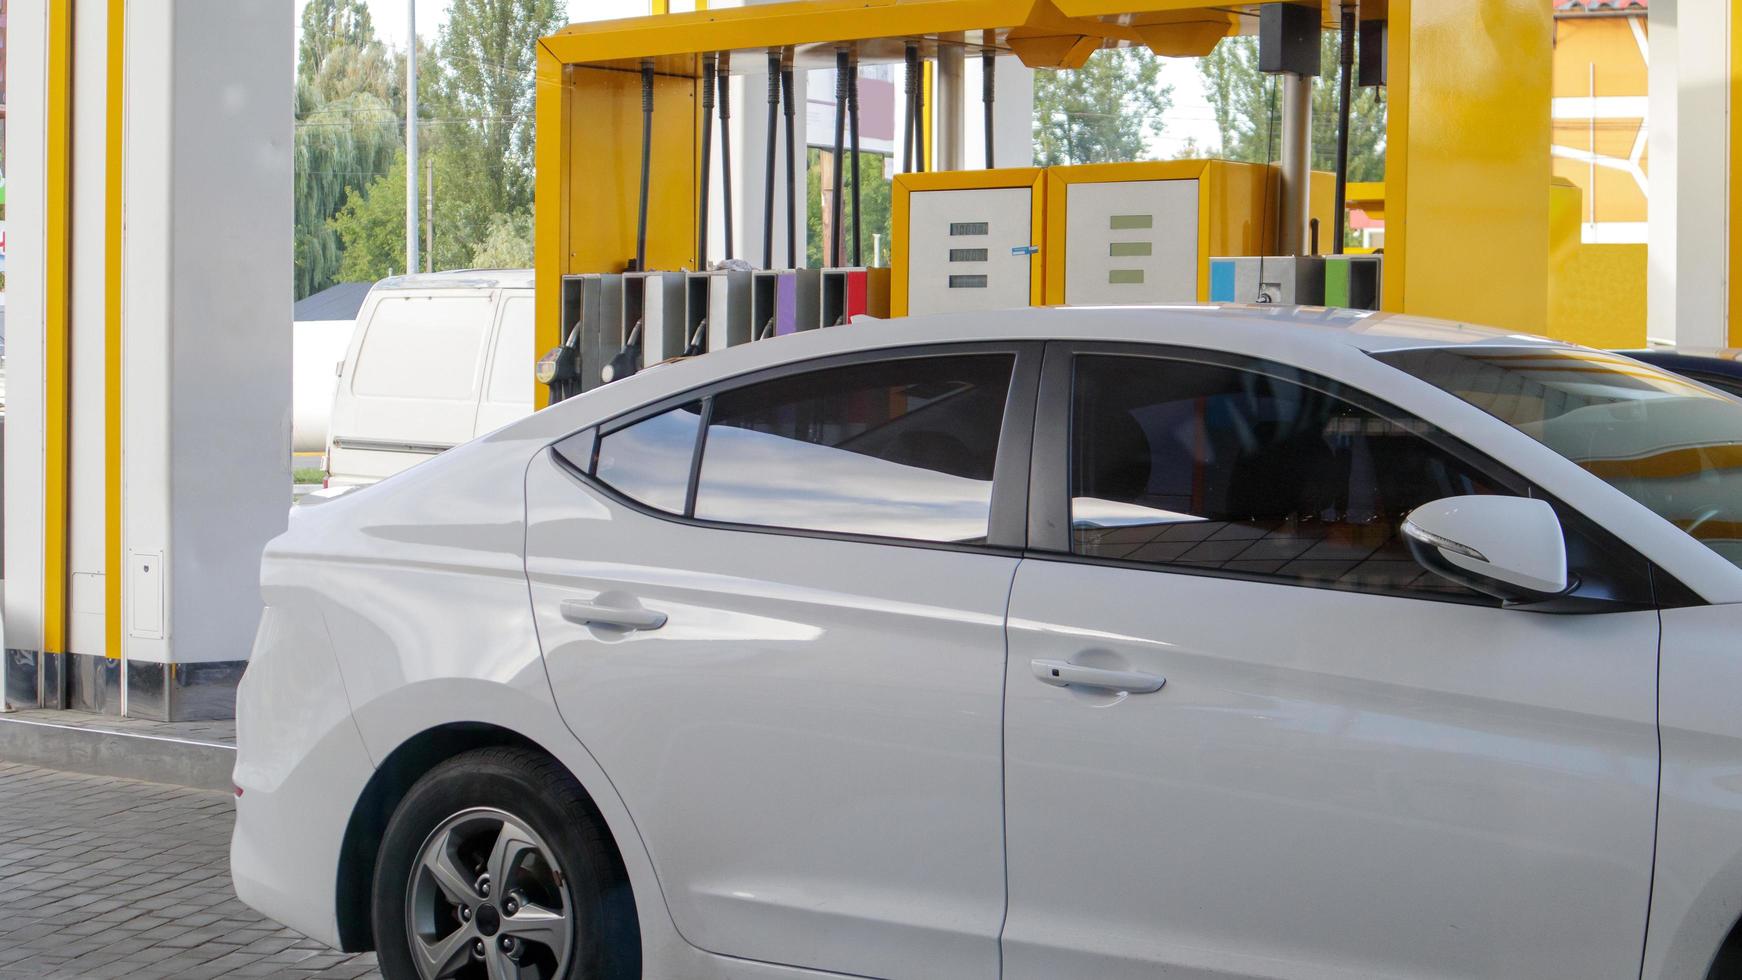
x: 410, y: 387
x: 784, y: 643
x: 508, y: 381
x: 1246, y: 736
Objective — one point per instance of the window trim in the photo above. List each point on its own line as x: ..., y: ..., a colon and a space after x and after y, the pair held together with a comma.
x: 1009, y: 513
x: 1049, y: 530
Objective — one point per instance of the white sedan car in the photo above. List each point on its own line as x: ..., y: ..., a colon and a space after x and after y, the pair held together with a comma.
x: 1057, y: 643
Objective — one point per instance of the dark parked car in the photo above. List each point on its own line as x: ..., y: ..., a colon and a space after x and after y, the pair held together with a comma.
x: 1722, y: 369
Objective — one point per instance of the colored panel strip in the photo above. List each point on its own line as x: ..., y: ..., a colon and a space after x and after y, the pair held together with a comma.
x: 114, y: 137
x: 1125, y: 250
x: 785, y: 304
x: 1125, y: 277
x: 1337, y: 282
x: 57, y: 333
x: 1130, y: 222
x: 858, y: 285
x: 1222, y: 281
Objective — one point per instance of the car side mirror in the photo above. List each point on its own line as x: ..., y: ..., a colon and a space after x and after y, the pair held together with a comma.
x: 1511, y: 548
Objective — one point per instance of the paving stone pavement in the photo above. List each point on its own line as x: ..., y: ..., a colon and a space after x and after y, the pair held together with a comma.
x: 105, y: 877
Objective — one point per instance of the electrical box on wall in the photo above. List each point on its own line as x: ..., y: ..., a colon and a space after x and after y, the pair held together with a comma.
x: 145, y: 594
x: 966, y: 240
x: 1131, y: 242
x: 1285, y: 280
x: 1140, y: 233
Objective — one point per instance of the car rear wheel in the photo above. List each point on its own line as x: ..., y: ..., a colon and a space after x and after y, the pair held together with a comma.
x: 493, y: 867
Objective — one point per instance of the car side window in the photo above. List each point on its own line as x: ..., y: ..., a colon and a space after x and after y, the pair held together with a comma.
x: 901, y: 448
x: 1261, y: 473
x: 649, y: 461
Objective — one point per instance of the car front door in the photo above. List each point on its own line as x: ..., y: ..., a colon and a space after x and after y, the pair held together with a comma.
x: 784, y: 643
x: 1247, y: 736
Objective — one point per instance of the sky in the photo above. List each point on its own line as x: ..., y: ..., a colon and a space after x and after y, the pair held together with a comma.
x: 1190, y: 118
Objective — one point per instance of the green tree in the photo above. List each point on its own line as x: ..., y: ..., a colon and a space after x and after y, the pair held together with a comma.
x: 346, y: 129
x: 508, y: 243
x: 1103, y: 112
x: 371, y: 225
x: 487, y: 51
x: 1249, y: 117
x: 875, y: 191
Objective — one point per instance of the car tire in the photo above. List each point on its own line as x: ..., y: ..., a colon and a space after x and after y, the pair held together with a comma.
x: 498, y: 854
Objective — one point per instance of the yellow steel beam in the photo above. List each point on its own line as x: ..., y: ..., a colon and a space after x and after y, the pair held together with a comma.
x: 550, y: 190
x: 57, y: 328
x: 1734, y: 287
x: 803, y: 23
x: 1467, y: 163
x: 1391, y: 277
x: 114, y: 136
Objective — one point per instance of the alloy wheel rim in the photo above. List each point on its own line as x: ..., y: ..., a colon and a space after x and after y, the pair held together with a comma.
x: 487, y: 901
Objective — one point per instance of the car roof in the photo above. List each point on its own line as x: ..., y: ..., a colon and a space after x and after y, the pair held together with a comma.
x: 1290, y: 332
x: 461, y: 279
x: 1207, y: 325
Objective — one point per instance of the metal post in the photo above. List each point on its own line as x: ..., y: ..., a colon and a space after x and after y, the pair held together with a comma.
x: 768, y: 184
x: 1344, y: 80
x: 646, y: 162
x: 707, y: 81
x: 988, y: 91
x: 919, y: 133
x: 911, y: 122
x: 1297, y: 127
x: 791, y: 170
x: 837, y: 206
x: 724, y: 82
x: 853, y: 128
x: 429, y: 215
x: 411, y: 136
x: 952, y: 62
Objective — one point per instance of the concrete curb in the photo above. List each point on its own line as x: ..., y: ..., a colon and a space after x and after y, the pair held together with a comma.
x: 106, y: 752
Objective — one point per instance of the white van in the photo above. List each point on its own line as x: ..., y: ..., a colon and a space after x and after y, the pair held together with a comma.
x: 436, y: 360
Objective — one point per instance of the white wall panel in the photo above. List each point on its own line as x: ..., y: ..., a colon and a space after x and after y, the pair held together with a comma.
x: 1131, y: 242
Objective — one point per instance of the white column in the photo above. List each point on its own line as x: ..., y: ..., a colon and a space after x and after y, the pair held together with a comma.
x: 206, y: 322
x: 26, y: 271
x: 1689, y: 132
x: 1012, y: 115
x: 87, y: 520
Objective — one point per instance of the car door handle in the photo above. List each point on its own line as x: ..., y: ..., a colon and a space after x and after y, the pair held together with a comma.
x: 593, y: 614
x: 1063, y: 673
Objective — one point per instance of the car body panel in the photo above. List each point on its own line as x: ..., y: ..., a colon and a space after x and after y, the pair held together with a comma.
x: 810, y: 743
x: 1697, y: 897
x: 300, y: 765
x: 1443, y: 784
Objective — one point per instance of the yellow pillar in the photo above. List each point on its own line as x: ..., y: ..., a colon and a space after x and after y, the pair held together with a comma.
x: 57, y: 354
x: 1733, y: 297
x: 115, y: 131
x: 1467, y: 161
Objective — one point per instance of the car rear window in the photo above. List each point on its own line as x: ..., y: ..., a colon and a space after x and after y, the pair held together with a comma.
x: 423, y: 347
x: 902, y: 448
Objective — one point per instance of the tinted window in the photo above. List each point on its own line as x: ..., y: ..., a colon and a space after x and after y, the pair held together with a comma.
x: 423, y: 347
x: 1673, y: 446
x: 649, y: 461
x: 900, y: 449
x: 1211, y: 467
